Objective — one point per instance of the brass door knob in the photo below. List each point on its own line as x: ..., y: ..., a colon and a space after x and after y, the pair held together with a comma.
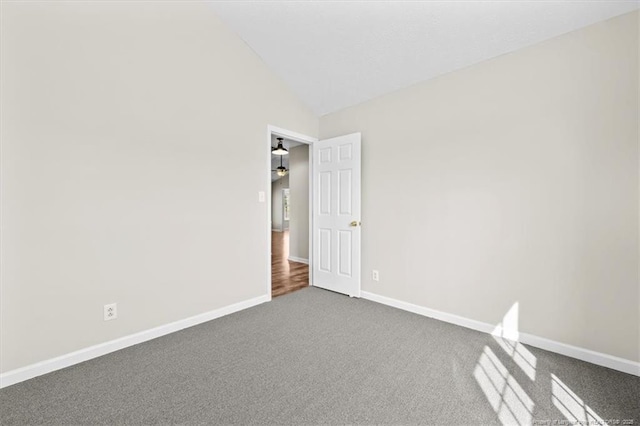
x: 354, y: 223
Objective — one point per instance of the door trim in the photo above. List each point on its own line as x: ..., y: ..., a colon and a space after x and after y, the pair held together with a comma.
x: 308, y: 140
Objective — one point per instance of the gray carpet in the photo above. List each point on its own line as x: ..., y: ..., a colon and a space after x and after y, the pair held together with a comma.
x: 316, y: 357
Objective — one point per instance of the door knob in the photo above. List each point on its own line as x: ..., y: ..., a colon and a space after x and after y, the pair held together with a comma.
x: 354, y: 223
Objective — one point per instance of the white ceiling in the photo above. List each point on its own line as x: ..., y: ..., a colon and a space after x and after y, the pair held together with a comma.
x: 335, y: 54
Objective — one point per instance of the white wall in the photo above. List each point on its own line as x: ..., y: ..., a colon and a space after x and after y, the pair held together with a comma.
x: 299, y: 184
x: 277, y: 222
x: 514, y: 180
x: 113, y: 187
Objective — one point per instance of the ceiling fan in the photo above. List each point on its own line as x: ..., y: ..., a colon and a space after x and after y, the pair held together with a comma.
x: 281, y: 171
x: 280, y: 149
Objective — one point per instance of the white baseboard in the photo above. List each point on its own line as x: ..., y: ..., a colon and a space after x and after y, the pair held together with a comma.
x: 299, y: 260
x: 277, y: 230
x: 598, y: 358
x: 21, y: 374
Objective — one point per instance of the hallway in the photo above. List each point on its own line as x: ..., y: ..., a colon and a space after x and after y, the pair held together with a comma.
x: 286, y: 276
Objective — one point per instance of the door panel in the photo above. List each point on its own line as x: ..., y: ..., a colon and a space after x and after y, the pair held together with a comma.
x: 325, y: 193
x: 336, y: 214
x: 344, y: 253
x: 345, y: 196
x: 325, y: 250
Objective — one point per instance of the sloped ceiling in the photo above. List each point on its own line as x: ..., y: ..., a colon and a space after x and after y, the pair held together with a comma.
x: 335, y: 54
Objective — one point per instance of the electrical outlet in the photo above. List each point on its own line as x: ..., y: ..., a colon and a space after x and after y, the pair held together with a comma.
x: 262, y: 196
x: 110, y: 311
x: 375, y: 275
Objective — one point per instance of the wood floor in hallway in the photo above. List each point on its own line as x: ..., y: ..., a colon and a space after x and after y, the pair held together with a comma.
x: 286, y: 276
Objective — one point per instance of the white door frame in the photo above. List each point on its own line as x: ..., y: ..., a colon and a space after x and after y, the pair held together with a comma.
x: 307, y: 140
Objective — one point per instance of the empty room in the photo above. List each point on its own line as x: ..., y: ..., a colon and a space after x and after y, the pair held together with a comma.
x: 319, y: 212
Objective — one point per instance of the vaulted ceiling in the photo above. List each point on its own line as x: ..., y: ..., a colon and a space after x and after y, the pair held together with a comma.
x: 334, y: 54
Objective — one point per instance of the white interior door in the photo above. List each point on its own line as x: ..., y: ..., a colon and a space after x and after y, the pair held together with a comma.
x: 336, y: 214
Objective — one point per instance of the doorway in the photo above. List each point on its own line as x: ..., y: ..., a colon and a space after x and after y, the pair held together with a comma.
x: 289, y: 230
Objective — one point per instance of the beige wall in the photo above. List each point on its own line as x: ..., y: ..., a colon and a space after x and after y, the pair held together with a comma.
x: 299, y: 185
x: 113, y: 187
x: 514, y: 180
x: 276, y: 204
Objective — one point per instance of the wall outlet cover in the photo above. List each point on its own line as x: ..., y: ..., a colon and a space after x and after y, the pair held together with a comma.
x: 110, y: 311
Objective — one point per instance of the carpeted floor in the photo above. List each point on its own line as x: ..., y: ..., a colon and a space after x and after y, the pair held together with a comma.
x: 315, y: 357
